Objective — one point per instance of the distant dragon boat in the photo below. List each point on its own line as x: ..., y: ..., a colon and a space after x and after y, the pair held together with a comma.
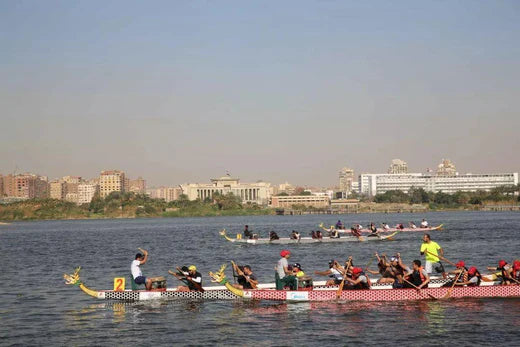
x: 325, y: 239
x: 332, y: 229
x: 307, y: 292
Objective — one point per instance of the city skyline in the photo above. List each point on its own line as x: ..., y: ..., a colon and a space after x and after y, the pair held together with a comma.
x: 433, y: 169
x: 293, y: 91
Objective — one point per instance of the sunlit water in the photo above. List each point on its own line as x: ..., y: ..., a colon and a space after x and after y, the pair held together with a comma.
x: 37, y: 308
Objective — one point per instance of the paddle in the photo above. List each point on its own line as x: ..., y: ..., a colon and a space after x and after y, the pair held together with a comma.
x: 441, y: 258
x: 340, y: 289
x: 419, y: 289
x: 448, y: 294
x: 182, y: 277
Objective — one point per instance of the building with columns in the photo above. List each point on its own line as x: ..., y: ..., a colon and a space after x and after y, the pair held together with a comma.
x: 258, y: 192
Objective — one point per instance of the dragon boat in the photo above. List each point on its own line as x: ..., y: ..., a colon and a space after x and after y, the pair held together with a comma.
x: 307, y: 291
x: 325, y: 239
x: 376, y: 293
x: 333, y: 229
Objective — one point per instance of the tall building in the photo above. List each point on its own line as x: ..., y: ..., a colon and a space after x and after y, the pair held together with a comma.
x: 8, y: 185
x: 111, y: 181
x: 29, y: 186
x: 138, y: 186
x: 346, y: 177
x: 446, y: 168
x: 258, y: 192
x: 57, y: 190
x: 86, y: 193
x: 398, y: 166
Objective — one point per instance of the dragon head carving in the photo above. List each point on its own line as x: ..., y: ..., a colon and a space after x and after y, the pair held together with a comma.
x: 220, y: 276
x: 73, y: 278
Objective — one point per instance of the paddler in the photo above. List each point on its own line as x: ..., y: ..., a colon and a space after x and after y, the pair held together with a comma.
x: 246, y: 279
x: 417, y: 276
x: 135, y: 268
x: 247, y: 233
x: 506, y: 272
x: 359, y: 280
x: 192, y: 278
x: 461, y: 274
x: 335, y: 276
x: 472, y: 279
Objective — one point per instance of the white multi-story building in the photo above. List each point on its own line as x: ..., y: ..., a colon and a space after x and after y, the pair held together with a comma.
x: 86, y: 193
x: 258, y: 192
x: 372, y: 184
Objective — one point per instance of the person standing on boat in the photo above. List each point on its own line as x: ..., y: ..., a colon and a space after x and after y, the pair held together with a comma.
x: 283, y: 276
x: 432, y: 250
x: 137, y: 275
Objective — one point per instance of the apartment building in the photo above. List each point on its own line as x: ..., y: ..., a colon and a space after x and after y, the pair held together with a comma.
x: 111, y: 181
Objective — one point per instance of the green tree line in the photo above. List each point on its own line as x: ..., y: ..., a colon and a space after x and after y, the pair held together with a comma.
x: 420, y: 196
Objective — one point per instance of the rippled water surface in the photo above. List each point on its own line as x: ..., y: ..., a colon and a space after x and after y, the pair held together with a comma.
x: 37, y: 308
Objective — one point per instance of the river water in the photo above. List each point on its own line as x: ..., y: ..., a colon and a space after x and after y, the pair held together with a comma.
x: 37, y: 308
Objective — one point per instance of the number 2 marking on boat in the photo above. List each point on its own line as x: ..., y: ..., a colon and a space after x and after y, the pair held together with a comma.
x: 119, y: 284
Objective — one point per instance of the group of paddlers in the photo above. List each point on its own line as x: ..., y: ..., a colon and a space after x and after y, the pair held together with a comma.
x: 395, y: 272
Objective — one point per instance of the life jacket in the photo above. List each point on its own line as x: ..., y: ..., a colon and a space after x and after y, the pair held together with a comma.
x: 417, y: 277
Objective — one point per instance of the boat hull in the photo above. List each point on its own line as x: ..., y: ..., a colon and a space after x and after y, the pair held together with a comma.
x: 385, y: 294
x: 286, y: 240
x: 391, y: 230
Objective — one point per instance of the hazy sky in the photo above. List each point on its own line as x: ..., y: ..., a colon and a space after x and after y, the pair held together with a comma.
x: 181, y: 91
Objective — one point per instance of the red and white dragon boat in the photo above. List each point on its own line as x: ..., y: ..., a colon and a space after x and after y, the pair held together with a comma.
x: 317, y: 292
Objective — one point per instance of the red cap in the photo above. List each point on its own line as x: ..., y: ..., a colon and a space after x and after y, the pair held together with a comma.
x: 502, y: 263
x: 516, y: 265
x: 357, y: 270
x: 284, y: 252
x: 461, y: 264
x: 472, y: 270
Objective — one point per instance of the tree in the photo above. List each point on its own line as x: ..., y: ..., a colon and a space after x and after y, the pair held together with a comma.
x: 418, y: 196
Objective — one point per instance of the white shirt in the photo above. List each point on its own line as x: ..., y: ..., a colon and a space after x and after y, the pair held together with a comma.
x: 282, y: 263
x: 336, y: 274
x: 136, y: 270
x: 424, y: 224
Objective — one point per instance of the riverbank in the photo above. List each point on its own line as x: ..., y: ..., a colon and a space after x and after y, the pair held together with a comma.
x: 49, y: 209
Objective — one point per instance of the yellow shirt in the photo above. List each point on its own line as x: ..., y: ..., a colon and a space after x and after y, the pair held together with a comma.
x: 300, y: 274
x: 431, y: 247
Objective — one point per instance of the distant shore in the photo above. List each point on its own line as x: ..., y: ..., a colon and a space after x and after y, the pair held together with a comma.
x: 58, y: 210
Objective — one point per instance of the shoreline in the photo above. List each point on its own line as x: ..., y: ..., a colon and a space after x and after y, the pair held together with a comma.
x: 496, y: 208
